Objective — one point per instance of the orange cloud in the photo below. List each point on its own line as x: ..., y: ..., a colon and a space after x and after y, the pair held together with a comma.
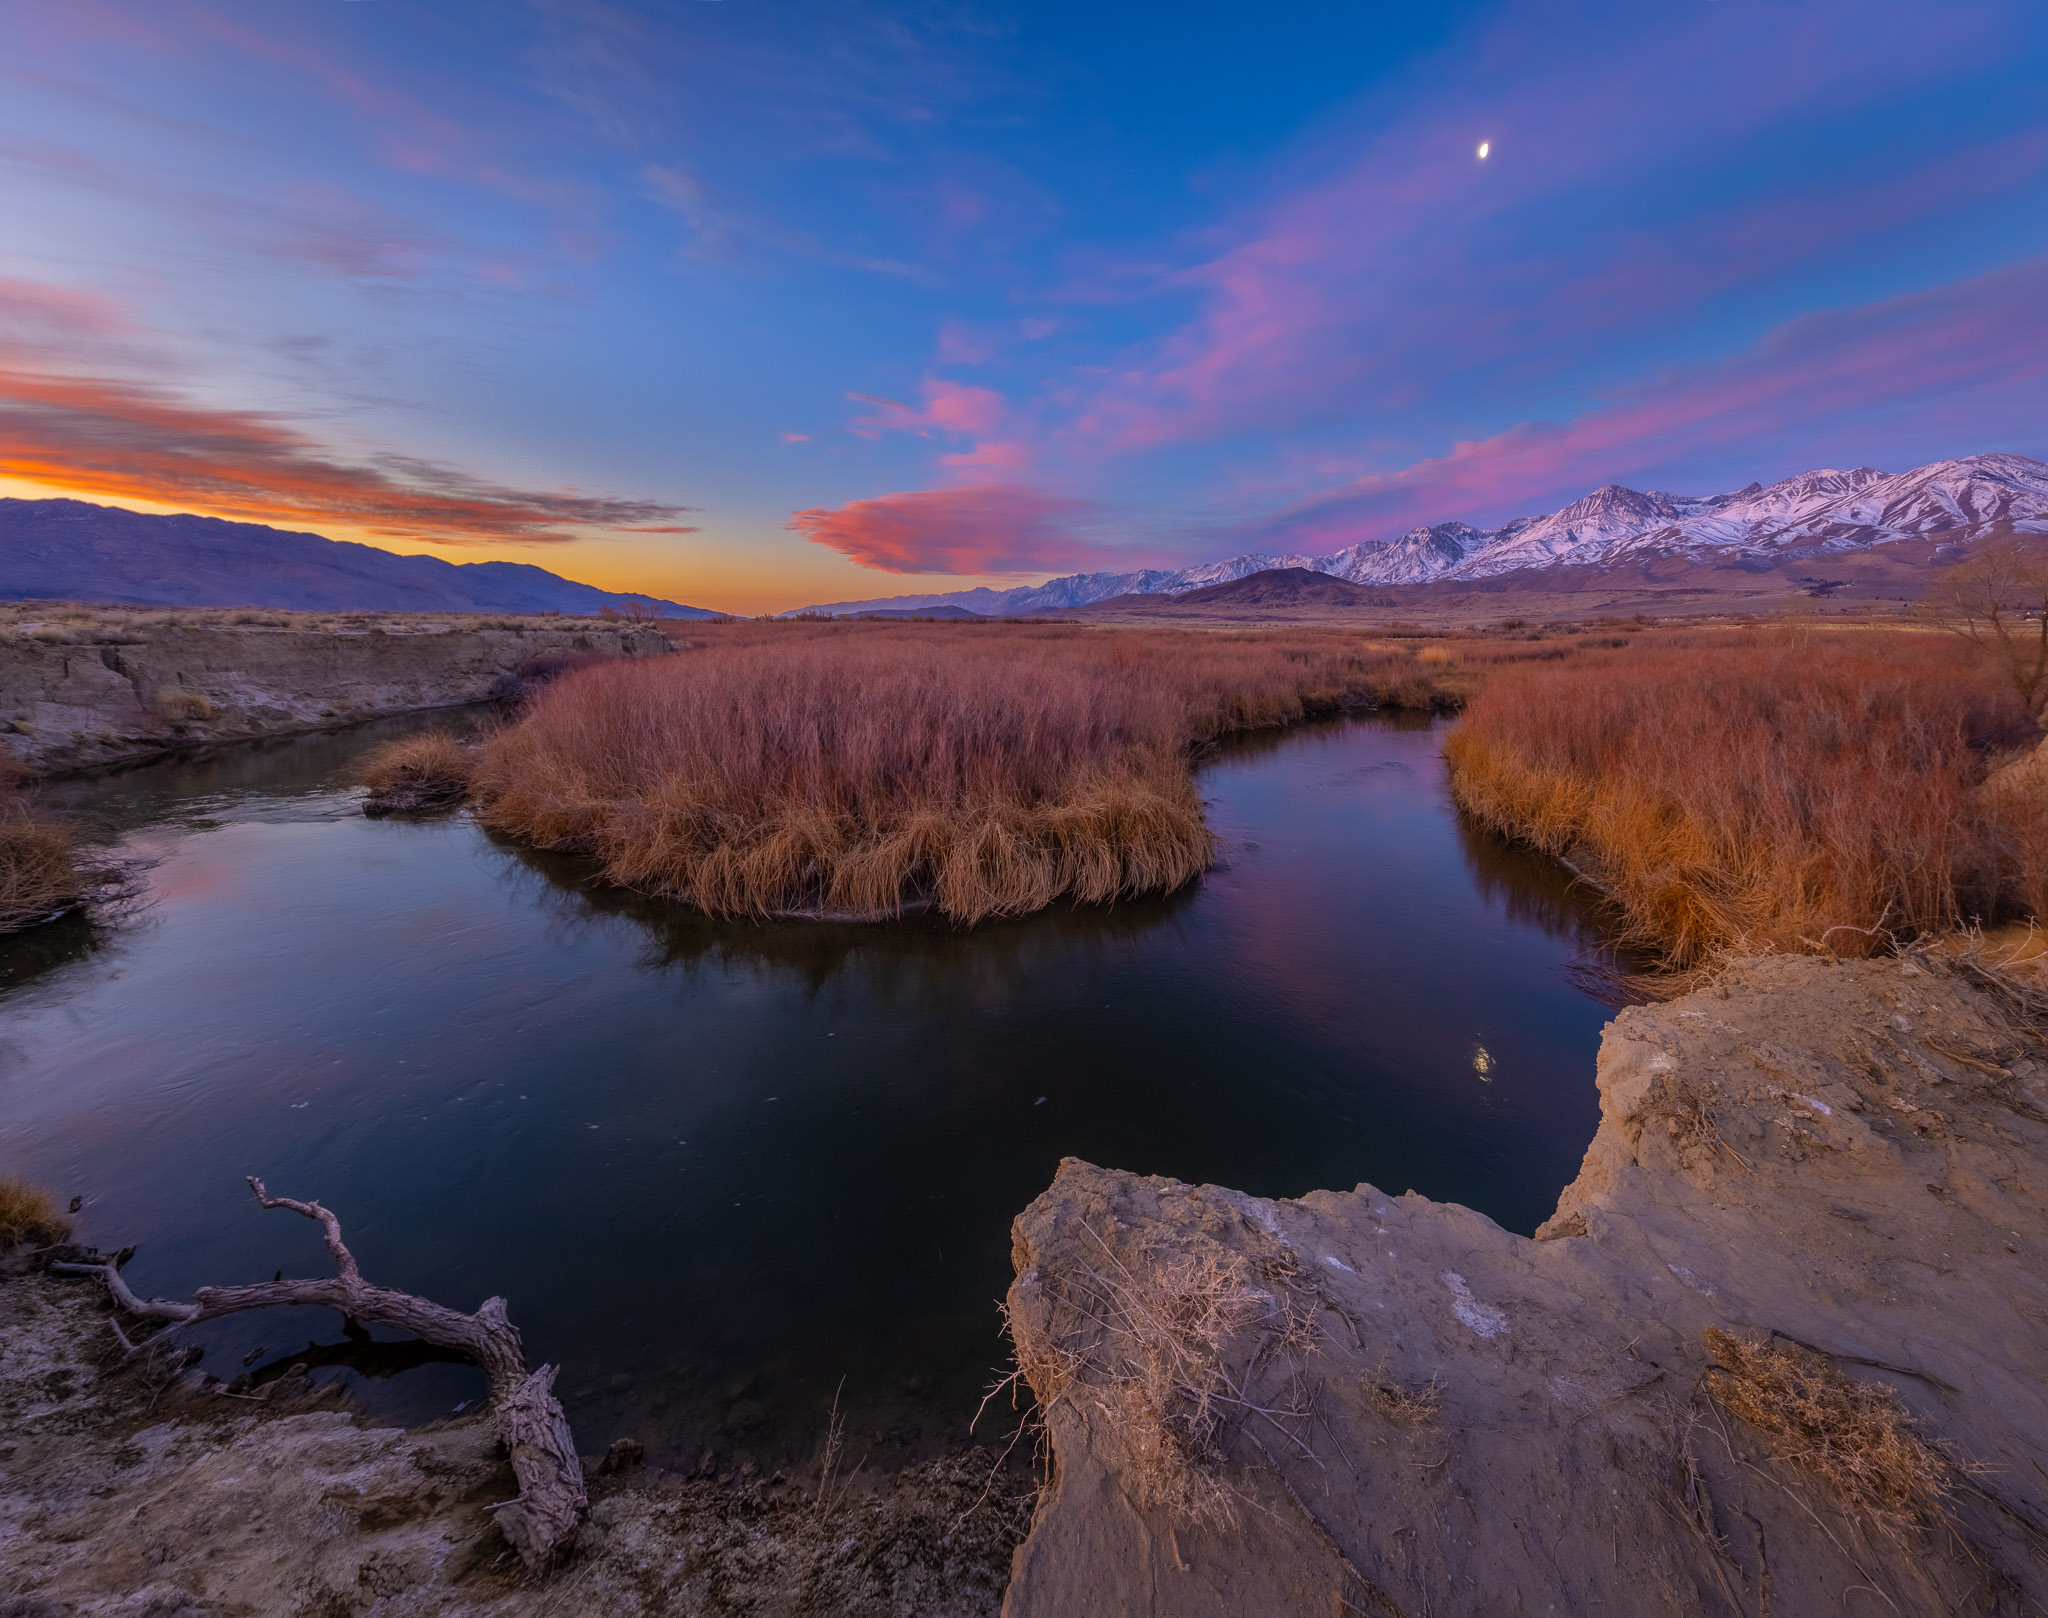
x: 125, y: 439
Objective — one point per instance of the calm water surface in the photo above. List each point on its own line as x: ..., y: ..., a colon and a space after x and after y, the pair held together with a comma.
x: 719, y: 1169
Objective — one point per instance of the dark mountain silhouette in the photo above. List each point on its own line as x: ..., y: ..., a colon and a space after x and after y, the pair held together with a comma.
x: 71, y: 550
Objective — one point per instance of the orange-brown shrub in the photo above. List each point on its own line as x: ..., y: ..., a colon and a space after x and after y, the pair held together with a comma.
x: 1773, y: 789
x: 854, y: 767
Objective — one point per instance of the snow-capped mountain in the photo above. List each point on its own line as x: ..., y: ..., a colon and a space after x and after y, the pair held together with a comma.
x: 1817, y: 514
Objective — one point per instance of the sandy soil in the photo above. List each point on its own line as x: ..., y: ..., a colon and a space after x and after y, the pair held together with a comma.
x: 135, y: 1488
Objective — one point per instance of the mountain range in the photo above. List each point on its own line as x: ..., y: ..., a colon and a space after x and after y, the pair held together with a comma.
x: 71, y: 550
x: 1812, y: 518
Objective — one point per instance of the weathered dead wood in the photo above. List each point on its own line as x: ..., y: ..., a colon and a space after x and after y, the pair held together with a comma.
x: 551, y: 1501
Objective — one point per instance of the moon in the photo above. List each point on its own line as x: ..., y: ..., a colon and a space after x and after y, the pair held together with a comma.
x: 1485, y: 146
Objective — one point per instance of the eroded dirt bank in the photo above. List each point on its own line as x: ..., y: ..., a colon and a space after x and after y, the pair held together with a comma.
x: 127, y: 1493
x: 1358, y: 1402
x: 74, y: 706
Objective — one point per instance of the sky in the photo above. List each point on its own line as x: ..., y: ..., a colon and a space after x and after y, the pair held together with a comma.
x: 753, y: 303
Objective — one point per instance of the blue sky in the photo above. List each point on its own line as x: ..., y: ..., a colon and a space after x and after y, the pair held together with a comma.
x: 755, y: 302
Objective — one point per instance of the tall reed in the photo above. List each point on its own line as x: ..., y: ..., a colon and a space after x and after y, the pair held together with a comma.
x: 1786, y: 789
x: 853, y: 768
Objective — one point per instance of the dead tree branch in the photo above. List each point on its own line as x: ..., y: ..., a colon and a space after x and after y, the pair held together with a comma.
x: 552, y: 1500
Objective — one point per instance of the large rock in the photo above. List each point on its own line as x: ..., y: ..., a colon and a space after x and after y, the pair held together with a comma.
x: 1850, y: 1156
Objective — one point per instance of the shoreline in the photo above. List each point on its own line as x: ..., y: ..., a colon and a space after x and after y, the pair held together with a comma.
x: 72, y: 707
x: 1835, y: 1160
x: 1827, y: 1159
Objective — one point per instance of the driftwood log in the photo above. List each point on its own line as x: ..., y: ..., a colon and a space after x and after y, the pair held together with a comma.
x: 552, y: 1501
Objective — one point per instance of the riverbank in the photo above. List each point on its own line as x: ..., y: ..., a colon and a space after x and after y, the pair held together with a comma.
x: 1359, y: 1402
x: 133, y: 1487
x: 1775, y: 1347
x: 83, y: 690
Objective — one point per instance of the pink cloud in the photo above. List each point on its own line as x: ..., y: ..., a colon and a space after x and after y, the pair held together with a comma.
x: 993, y: 528
x: 1407, y: 265
x: 950, y: 410
x: 1974, y: 351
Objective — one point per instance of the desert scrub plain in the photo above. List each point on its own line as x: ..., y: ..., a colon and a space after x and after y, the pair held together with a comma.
x: 986, y: 769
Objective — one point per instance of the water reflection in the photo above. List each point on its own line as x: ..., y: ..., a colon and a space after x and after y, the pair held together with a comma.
x: 717, y: 1167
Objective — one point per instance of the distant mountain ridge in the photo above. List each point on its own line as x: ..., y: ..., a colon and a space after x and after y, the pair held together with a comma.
x: 72, y: 550
x: 1815, y: 514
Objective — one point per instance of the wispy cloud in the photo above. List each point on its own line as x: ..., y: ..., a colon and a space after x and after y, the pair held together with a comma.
x: 1408, y: 267
x: 129, y: 437
x: 1973, y: 354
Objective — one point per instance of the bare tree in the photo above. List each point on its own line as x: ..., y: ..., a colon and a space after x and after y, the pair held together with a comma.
x: 551, y: 1502
x: 1998, y: 599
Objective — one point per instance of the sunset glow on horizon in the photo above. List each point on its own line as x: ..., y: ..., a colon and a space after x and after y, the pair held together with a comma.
x: 762, y: 303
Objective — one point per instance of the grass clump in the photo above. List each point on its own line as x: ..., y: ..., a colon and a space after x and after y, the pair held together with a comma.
x: 416, y: 773
x: 854, y: 768
x: 29, y: 1215
x: 39, y: 871
x: 182, y: 706
x: 1166, y: 1349
x: 1405, y: 1404
x: 1854, y: 1437
x: 1768, y: 789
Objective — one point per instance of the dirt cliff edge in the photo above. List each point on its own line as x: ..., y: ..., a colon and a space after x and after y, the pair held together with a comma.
x: 77, y: 706
x: 1356, y: 1402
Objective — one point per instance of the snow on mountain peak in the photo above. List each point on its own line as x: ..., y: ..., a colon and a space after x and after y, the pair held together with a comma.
x: 1824, y: 511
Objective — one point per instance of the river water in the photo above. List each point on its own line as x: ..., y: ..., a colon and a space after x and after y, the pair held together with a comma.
x: 724, y: 1173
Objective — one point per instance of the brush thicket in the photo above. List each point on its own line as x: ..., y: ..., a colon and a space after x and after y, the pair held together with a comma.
x: 852, y: 768
x: 1772, y: 790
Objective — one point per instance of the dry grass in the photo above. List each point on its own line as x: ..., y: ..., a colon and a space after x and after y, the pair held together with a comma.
x: 28, y: 1215
x: 176, y: 703
x: 417, y: 772
x: 1166, y: 1349
x: 39, y: 871
x: 1855, y: 1437
x: 1405, y: 1404
x: 854, y: 768
x: 1769, y: 789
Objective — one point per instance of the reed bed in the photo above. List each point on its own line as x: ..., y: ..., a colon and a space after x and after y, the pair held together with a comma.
x: 856, y: 768
x: 1773, y: 789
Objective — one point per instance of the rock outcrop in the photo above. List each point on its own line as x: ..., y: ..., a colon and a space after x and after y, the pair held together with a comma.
x: 1356, y: 1402
x: 73, y: 706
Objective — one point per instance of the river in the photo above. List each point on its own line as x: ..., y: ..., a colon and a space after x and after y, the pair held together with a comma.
x: 726, y: 1173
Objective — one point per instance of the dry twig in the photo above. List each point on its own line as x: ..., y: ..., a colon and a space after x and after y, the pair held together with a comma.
x: 552, y: 1500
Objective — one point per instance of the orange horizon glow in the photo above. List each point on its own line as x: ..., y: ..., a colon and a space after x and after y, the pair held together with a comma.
x: 714, y: 579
